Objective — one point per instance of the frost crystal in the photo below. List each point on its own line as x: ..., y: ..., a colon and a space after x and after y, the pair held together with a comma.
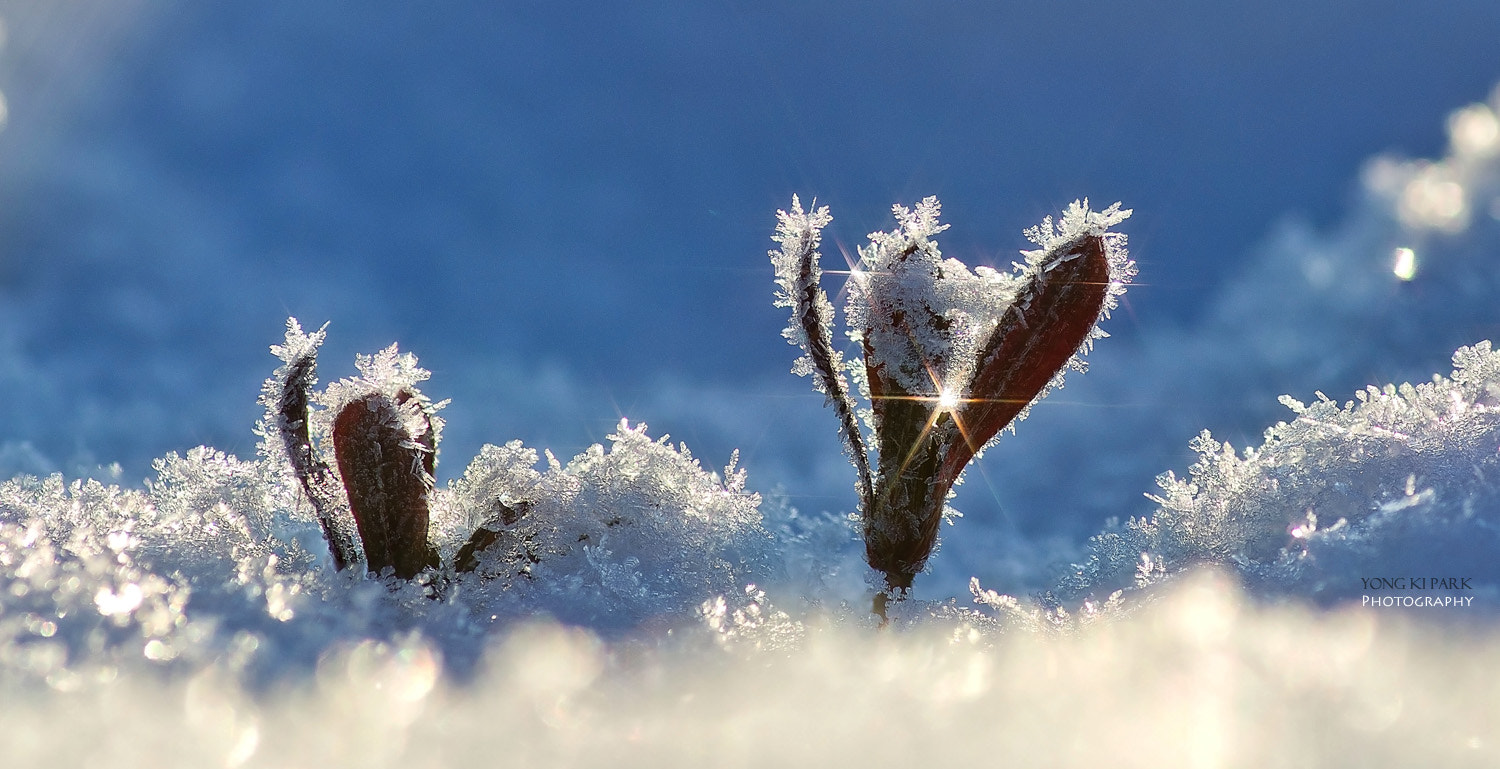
x: 217, y: 561
x: 636, y: 530
x: 390, y: 374
x: 1392, y: 482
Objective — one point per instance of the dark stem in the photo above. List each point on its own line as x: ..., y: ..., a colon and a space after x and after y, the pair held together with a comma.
x: 313, y: 473
x: 809, y: 296
x: 901, y: 524
x: 503, y: 516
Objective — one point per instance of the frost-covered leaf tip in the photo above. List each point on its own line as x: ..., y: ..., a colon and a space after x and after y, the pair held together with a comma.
x: 798, y: 276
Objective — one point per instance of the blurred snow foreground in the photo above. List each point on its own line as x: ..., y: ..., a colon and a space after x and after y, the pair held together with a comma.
x: 646, y: 611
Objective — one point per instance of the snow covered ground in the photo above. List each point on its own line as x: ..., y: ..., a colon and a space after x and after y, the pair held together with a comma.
x: 1322, y: 594
x: 1202, y: 678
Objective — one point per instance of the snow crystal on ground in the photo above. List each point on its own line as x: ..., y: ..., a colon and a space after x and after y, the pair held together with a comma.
x: 222, y: 558
x: 1400, y: 482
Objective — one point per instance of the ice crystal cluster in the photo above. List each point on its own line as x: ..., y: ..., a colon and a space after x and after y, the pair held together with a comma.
x: 949, y: 356
x: 1403, y: 481
x: 227, y: 562
x: 613, y: 537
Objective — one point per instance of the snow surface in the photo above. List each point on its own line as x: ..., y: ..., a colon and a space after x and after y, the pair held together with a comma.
x: 1399, y: 481
x: 1202, y: 677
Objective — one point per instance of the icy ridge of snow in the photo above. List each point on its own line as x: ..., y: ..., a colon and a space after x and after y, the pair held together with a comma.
x: 221, y: 561
x: 1393, y: 483
x: 615, y: 536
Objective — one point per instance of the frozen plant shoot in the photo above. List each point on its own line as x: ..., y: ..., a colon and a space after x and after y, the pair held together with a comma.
x: 384, y: 434
x: 950, y: 356
x: 631, y: 531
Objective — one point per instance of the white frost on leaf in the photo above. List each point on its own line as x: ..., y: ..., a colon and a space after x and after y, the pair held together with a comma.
x: 798, y: 280
x: 799, y: 232
x: 923, y: 315
x: 1079, y: 221
x: 298, y: 352
x: 298, y: 344
x: 390, y: 373
x: 928, y: 316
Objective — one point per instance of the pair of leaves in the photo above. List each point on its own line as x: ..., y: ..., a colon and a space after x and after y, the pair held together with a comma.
x: 385, y: 435
x: 950, y: 358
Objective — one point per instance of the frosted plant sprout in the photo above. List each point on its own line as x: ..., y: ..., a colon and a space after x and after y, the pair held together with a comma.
x: 502, y: 519
x: 950, y: 357
x: 384, y: 433
x: 637, y: 530
x: 249, y: 567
